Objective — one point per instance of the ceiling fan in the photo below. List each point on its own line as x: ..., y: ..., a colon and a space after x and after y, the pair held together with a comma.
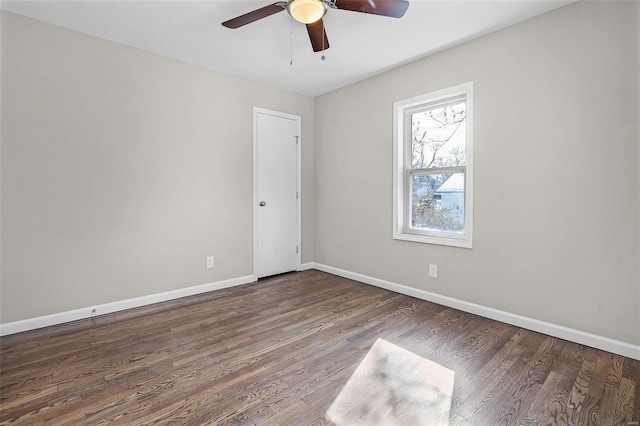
x: 310, y: 13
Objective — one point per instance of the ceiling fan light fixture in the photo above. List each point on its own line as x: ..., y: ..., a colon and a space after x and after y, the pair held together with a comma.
x: 306, y: 11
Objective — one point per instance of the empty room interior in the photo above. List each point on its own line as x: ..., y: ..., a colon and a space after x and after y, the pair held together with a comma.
x: 411, y: 213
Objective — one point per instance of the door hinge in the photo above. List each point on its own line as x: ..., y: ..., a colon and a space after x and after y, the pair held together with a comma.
x: 297, y: 139
x: 296, y: 195
x: 296, y: 249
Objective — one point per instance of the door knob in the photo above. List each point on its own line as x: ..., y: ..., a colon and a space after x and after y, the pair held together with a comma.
x: 262, y: 203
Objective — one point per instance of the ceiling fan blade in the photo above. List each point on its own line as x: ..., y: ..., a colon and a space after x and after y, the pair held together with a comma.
x: 318, y: 36
x: 253, y: 16
x: 391, y: 8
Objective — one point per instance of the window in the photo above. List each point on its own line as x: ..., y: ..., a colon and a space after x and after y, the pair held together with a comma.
x: 432, y: 167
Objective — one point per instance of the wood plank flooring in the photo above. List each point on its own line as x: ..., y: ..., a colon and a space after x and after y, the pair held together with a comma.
x: 278, y: 352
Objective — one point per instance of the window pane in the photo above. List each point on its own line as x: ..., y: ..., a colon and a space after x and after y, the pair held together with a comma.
x: 438, y: 136
x: 437, y: 202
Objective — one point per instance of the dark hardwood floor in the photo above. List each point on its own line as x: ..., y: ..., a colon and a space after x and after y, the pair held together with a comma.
x: 281, y: 350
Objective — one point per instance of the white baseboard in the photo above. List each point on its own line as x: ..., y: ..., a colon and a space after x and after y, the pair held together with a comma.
x: 599, y: 342
x: 92, y: 311
x: 306, y: 266
x: 610, y: 345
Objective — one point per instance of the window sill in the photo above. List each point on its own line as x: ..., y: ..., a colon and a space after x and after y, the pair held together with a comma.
x: 427, y: 239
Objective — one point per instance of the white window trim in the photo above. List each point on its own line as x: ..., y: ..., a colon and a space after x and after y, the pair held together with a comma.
x: 400, y: 181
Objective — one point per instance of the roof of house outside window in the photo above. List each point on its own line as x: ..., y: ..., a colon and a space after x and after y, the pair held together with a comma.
x: 455, y: 183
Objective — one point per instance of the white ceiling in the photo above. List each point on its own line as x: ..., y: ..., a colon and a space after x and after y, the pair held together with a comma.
x: 362, y: 45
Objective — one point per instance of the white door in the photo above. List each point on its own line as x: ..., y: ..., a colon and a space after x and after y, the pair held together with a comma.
x: 276, y: 171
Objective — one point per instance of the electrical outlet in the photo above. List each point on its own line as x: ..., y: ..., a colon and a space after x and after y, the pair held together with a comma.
x: 433, y: 270
x: 210, y: 263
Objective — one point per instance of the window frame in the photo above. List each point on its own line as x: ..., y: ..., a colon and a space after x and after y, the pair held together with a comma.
x: 402, y: 171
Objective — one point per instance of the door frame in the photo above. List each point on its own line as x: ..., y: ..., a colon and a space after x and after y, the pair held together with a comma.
x: 298, y: 120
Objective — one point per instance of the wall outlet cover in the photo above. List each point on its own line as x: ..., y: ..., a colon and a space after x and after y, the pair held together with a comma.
x: 433, y: 270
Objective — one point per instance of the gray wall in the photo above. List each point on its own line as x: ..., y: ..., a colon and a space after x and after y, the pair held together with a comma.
x: 122, y: 170
x: 556, y: 224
